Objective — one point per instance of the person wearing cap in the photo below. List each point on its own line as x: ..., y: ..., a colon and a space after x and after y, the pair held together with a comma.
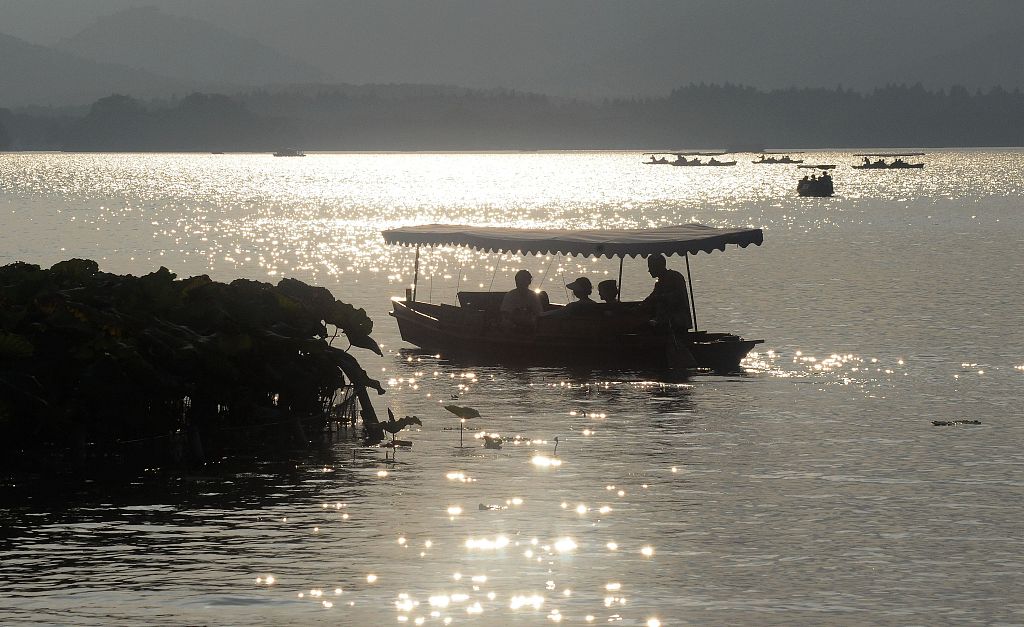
x: 581, y: 288
x: 521, y: 307
x: 668, y: 303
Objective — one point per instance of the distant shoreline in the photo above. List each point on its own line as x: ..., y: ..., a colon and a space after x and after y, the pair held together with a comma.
x: 419, y: 119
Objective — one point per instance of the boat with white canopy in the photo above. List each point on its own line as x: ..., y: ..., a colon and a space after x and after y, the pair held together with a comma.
x: 619, y: 334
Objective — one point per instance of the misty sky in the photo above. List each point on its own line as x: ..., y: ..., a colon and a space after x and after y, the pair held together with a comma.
x: 603, y: 47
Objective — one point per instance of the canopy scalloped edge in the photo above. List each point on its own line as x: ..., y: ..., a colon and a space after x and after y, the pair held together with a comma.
x: 668, y: 240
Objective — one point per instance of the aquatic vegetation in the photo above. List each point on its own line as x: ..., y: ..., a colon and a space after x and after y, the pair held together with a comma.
x: 464, y: 414
x: 393, y: 427
x: 91, y: 361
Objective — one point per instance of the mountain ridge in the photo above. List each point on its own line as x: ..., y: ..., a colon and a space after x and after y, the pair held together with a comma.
x: 203, y: 52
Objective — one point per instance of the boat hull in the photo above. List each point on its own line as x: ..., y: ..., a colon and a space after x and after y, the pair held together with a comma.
x: 469, y: 336
x: 909, y: 166
x: 702, y: 165
x: 818, y: 188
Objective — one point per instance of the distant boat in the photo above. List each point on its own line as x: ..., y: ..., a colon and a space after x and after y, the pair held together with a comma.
x: 656, y: 160
x: 819, y: 186
x: 881, y: 164
x: 289, y: 152
x: 698, y: 163
x: 774, y: 159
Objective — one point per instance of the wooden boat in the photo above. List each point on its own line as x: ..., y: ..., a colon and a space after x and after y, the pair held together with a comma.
x: 698, y: 163
x: 772, y: 159
x: 882, y: 164
x: 821, y: 187
x: 616, y: 335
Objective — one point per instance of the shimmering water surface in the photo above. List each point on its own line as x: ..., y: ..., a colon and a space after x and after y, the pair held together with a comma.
x: 813, y: 489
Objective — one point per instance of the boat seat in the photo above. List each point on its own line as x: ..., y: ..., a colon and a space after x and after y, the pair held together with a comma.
x: 486, y: 301
x: 489, y: 301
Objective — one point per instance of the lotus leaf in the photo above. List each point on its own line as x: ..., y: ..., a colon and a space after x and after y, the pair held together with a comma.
x: 13, y: 346
x: 75, y: 269
x: 463, y: 412
x: 113, y: 357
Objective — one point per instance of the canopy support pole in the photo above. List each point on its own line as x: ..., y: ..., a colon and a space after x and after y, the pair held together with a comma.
x: 689, y: 281
x: 496, y: 264
x: 618, y: 293
x: 416, y: 274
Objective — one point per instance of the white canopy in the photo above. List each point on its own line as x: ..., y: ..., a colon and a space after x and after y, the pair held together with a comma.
x: 667, y: 240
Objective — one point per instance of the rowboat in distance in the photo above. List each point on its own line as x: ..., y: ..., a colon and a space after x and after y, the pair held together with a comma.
x: 661, y: 158
x: 696, y: 162
x: 289, y: 152
x: 614, y: 334
x: 881, y: 164
x: 768, y: 158
x: 819, y: 186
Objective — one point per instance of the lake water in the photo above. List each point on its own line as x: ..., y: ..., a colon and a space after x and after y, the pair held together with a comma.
x: 813, y: 489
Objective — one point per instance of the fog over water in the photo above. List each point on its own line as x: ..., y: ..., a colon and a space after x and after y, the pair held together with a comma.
x: 811, y: 489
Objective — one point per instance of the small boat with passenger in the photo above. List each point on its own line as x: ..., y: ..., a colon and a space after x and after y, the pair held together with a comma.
x: 681, y: 159
x: 771, y: 158
x: 817, y: 185
x: 289, y: 152
x: 881, y: 164
x: 612, y: 334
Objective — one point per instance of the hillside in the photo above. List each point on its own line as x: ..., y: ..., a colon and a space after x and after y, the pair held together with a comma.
x: 31, y: 74
x: 185, y: 48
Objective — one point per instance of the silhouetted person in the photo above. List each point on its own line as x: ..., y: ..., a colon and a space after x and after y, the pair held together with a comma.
x: 668, y: 302
x: 581, y: 288
x: 608, y: 291
x: 521, y: 306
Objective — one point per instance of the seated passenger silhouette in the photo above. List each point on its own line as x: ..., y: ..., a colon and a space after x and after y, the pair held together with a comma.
x: 608, y: 291
x: 581, y: 288
x: 521, y: 306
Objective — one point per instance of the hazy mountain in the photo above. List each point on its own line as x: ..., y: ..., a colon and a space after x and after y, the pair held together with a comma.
x: 31, y: 74
x: 591, y: 48
x: 185, y: 48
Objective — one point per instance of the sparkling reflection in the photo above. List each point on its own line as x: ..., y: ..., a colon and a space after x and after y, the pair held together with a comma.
x: 820, y: 456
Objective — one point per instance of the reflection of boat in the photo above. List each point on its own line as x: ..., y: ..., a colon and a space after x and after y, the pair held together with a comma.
x: 616, y: 335
x: 880, y: 164
x: 774, y: 159
x: 819, y: 186
x: 289, y: 152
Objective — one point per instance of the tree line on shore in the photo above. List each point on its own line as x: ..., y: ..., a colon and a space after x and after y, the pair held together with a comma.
x: 447, y: 118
